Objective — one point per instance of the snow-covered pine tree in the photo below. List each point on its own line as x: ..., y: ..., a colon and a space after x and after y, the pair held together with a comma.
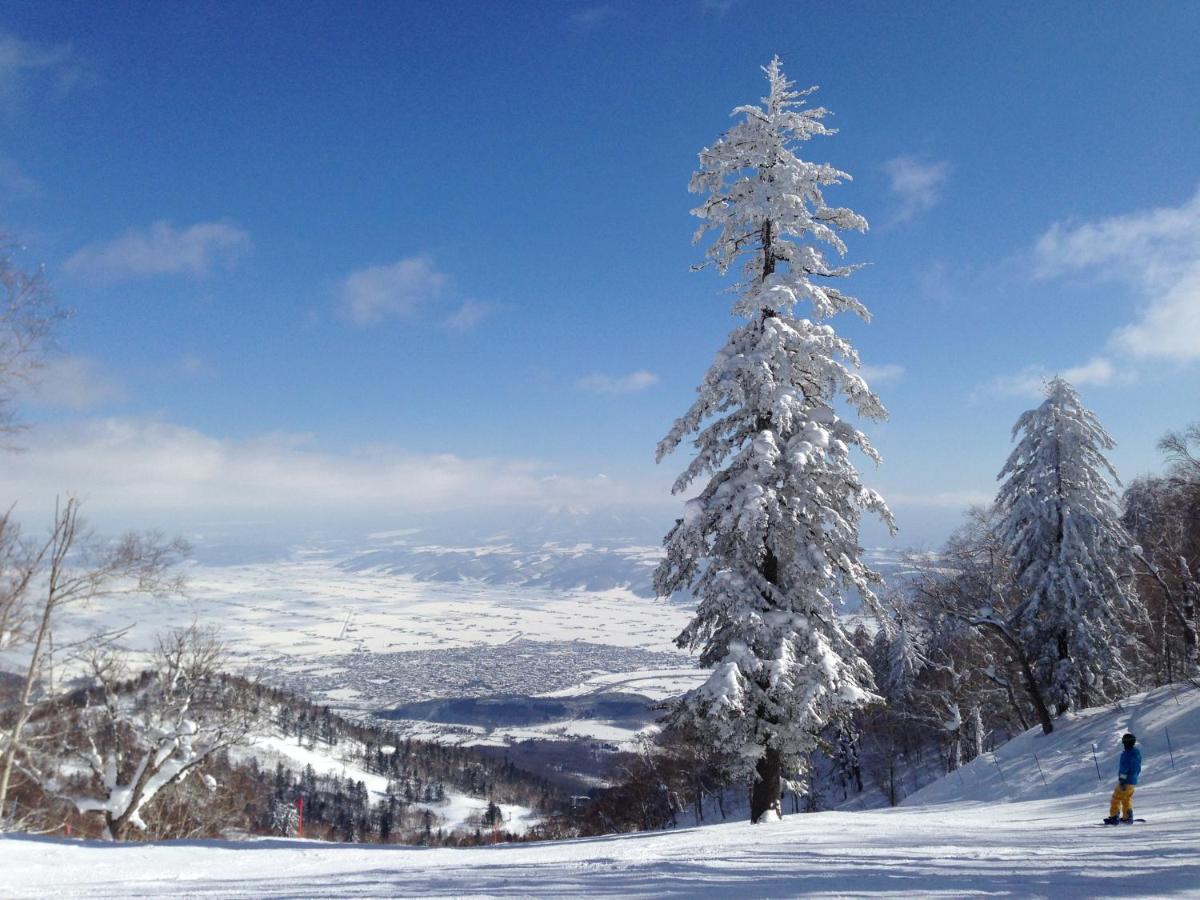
x: 771, y: 543
x: 1059, y: 520
x: 905, y: 659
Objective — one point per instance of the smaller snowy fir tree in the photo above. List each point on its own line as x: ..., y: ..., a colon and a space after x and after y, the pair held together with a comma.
x: 902, y: 660
x: 1059, y: 521
x: 770, y: 544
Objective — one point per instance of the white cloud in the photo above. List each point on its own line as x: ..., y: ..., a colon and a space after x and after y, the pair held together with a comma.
x: 915, y: 184
x: 398, y: 290
x: 1096, y: 371
x: 192, y: 364
x: 161, y: 250
x: 159, y: 474
x: 1031, y: 381
x: 632, y: 383
x: 73, y: 382
x: 884, y: 374
x: 24, y: 62
x: 1157, y: 253
x: 592, y: 18
x: 467, y: 316
x: 1169, y: 327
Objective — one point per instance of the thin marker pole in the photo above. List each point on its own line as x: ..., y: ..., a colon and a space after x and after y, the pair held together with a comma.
x: 1002, y: 778
x: 1099, y: 777
x: 1040, y: 772
x: 1167, y: 731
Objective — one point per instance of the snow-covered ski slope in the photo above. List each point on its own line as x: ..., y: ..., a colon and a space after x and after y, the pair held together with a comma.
x: 1034, y: 766
x: 960, y: 837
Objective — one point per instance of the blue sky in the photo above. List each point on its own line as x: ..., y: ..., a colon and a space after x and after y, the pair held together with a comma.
x: 378, y: 259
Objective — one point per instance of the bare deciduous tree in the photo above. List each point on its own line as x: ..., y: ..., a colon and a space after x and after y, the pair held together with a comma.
x: 28, y: 314
x: 137, y: 737
x: 42, y: 580
x: 971, y: 580
x: 1163, y: 515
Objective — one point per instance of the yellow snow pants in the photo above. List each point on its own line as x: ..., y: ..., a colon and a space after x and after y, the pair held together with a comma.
x: 1122, y: 800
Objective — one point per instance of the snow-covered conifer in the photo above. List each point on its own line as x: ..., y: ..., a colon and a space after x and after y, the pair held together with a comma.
x: 1060, y: 523
x: 770, y: 543
x: 284, y: 818
x: 905, y: 658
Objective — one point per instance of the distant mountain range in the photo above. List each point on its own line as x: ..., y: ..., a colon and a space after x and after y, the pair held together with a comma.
x: 561, y: 549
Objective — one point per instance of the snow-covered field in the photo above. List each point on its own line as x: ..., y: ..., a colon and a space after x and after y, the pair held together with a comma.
x: 960, y: 837
x: 309, y: 606
x: 352, y: 627
x: 363, y: 639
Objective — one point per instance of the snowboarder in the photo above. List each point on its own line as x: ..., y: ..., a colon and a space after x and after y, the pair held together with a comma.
x: 1128, y: 770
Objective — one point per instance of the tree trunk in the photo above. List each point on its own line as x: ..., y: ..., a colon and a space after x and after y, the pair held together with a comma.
x: 1184, y: 610
x: 977, y: 730
x: 768, y: 784
x: 1035, y: 696
x: 891, y: 777
x: 1014, y: 703
x: 1187, y: 616
x: 1062, y: 704
x: 1031, y: 685
x: 24, y: 702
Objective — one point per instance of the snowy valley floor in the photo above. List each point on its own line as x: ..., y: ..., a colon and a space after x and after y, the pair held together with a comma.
x: 968, y: 839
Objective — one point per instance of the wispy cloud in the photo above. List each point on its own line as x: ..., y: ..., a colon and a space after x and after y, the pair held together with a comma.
x: 398, y: 290
x: 73, y: 382
x: 160, y: 474
x: 592, y: 17
x: 916, y: 185
x: 598, y: 383
x: 1157, y: 253
x: 25, y: 65
x: 468, y: 315
x: 1031, y: 381
x: 890, y: 372
x: 194, y: 365
x: 162, y: 250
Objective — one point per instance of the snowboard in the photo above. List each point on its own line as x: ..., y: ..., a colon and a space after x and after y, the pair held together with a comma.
x: 1114, y: 824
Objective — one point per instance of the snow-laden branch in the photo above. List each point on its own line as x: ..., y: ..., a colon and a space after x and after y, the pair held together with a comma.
x: 139, y: 737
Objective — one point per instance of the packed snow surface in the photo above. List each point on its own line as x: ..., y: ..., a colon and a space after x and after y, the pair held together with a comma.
x: 968, y: 839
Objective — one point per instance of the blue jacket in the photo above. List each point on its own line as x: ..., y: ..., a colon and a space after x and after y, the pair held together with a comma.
x: 1130, y: 766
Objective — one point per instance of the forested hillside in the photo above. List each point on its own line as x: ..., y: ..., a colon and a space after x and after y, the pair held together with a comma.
x: 348, y: 780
